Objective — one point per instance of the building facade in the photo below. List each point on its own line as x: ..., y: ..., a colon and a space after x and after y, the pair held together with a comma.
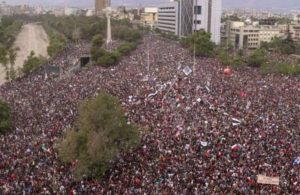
x: 168, y: 18
x: 294, y: 30
x: 100, y: 6
x: 184, y: 17
x: 207, y: 16
x: 149, y: 16
x: 251, y: 37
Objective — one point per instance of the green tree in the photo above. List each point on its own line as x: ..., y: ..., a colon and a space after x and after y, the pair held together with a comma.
x: 12, y: 56
x: 96, y: 50
x: 4, y: 61
x: 108, y: 59
x: 57, y: 44
x: 224, y: 57
x: 201, y: 42
x: 257, y: 58
x: 97, y: 41
x: 283, y: 46
x: 126, y: 48
x: 76, y: 35
x: 32, y: 63
x: 5, y: 117
x: 101, y: 134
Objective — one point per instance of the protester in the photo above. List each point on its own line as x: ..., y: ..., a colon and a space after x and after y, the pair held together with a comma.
x: 204, y: 132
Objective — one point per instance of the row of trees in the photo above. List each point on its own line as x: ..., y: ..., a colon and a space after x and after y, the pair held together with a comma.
x: 200, y: 44
x: 259, y: 58
x: 57, y: 40
x: 9, y: 29
x: 285, y: 46
x: 75, y: 28
x: 105, y: 58
x: 100, y: 135
x: 5, y: 117
x: 33, y: 62
x: 57, y: 44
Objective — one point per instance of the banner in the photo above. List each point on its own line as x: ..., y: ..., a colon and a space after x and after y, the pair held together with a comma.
x: 267, y: 180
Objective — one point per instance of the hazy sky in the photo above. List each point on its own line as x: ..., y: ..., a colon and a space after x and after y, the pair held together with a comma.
x: 292, y: 4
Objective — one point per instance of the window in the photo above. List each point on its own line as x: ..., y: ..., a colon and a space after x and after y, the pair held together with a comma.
x: 198, y: 10
x: 197, y: 21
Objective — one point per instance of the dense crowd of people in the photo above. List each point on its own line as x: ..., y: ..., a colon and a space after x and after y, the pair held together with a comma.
x: 204, y: 132
x: 70, y: 55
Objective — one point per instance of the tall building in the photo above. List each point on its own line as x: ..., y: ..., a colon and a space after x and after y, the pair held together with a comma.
x: 168, y: 17
x: 100, y: 5
x: 207, y: 16
x: 184, y: 17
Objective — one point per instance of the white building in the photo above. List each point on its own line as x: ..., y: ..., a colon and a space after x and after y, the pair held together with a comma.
x: 184, y: 17
x: 168, y: 17
x: 149, y: 16
x: 70, y: 11
x: 207, y: 16
x: 244, y: 36
x: 90, y: 12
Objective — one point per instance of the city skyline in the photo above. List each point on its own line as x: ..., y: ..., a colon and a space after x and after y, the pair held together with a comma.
x: 266, y: 4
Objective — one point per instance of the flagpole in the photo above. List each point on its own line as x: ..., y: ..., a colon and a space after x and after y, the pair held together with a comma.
x: 194, y: 63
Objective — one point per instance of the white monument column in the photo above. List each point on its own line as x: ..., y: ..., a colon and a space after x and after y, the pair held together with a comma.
x: 108, y: 14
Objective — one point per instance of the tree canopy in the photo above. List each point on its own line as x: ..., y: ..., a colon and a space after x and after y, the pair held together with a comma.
x: 5, y: 117
x: 257, y: 58
x: 101, y: 134
x: 202, y: 43
x: 32, y: 63
x: 9, y: 28
x: 284, y: 46
x: 57, y: 44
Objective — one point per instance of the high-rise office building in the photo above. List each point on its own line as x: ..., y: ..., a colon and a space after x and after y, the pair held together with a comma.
x: 184, y: 17
x: 168, y: 17
x: 100, y: 5
x: 207, y: 16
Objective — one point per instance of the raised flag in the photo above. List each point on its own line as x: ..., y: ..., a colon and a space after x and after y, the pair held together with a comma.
x: 187, y: 70
x: 235, y: 122
x: 297, y: 161
x: 262, y: 179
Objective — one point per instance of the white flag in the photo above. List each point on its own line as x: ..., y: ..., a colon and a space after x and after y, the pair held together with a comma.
x: 187, y: 70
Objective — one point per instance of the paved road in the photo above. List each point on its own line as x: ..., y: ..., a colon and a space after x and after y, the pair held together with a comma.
x: 31, y: 38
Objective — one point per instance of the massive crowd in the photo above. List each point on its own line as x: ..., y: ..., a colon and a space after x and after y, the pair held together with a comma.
x: 71, y: 55
x: 204, y: 133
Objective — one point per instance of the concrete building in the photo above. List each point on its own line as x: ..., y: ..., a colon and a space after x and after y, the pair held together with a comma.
x: 100, y: 6
x: 149, y: 16
x: 168, y: 17
x: 207, y: 16
x: 184, y: 17
x: 69, y: 11
x: 250, y: 37
x: 267, y: 33
x: 89, y: 12
x: 294, y: 30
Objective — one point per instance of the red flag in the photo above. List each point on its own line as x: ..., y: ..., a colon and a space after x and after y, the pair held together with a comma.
x: 227, y: 71
x: 243, y: 94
